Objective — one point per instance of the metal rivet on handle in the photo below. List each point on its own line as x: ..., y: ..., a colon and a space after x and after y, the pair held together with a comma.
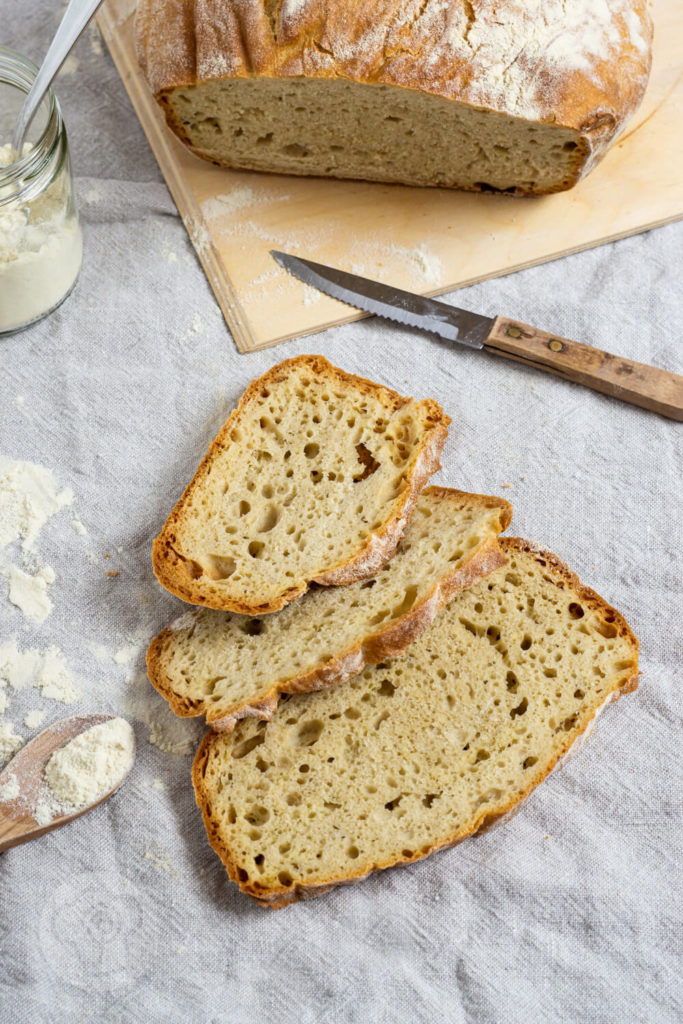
x: 555, y: 346
x: 513, y: 332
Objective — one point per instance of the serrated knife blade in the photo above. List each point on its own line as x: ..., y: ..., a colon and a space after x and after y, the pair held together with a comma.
x: 637, y: 383
x: 405, y: 308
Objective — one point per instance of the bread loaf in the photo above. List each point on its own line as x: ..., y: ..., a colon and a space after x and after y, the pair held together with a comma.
x: 227, y: 667
x: 419, y: 752
x: 312, y: 479
x: 520, y: 97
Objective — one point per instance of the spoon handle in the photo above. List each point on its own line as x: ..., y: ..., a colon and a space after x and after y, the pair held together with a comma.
x: 78, y: 14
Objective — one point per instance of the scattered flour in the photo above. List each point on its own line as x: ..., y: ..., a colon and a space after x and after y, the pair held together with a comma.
x: 426, y: 263
x: 29, y: 496
x: 196, y: 326
x: 34, y: 718
x: 311, y: 295
x: 10, y: 742
x: 92, y: 196
x: 90, y: 765
x: 170, y: 734
x: 161, y: 860
x: 20, y: 401
x: 228, y: 202
x: 45, y: 670
x: 78, y: 526
x: 126, y: 654
x: 10, y: 790
x: 29, y: 593
x: 158, y: 784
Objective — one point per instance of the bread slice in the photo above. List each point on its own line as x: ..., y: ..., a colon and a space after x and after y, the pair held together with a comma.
x: 422, y: 751
x: 522, y: 97
x: 228, y: 667
x: 313, y: 478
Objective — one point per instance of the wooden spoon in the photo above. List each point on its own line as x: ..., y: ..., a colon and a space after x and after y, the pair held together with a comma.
x: 17, y: 823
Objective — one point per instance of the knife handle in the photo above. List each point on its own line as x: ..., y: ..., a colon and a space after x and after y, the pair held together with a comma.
x: 637, y: 383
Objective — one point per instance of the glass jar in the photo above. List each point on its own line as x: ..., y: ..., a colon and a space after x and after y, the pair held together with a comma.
x: 41, y: 246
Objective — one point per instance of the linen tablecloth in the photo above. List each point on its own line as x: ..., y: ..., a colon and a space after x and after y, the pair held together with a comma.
x: 571, y: 911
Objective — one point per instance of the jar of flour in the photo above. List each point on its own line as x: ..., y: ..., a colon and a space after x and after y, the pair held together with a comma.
x: 41, y: 245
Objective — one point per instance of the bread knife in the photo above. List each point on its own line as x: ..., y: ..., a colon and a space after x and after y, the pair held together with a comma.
x: 637, y: 383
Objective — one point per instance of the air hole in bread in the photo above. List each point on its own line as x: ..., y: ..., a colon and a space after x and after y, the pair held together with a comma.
x: 310, y: 732
x: 257, y: 815
x: 219, y: 567
x: 520, y: 709
x: 246, y: 746
x: 367, y: 460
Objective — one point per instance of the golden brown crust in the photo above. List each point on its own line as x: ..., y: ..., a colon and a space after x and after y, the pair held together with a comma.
x: 176, y: 573
x: 625, y: 683
x: 386, y: 643
x: 513, y: 59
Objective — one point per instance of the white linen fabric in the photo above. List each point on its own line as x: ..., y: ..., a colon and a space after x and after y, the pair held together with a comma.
x: 568, y: 913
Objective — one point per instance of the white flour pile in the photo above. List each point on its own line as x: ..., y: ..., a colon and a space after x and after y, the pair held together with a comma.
x: 91, y: 765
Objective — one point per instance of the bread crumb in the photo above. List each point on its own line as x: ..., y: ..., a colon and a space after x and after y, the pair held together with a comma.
x: 112, y: 572
x: 158, y: 784
x: 507, y: 485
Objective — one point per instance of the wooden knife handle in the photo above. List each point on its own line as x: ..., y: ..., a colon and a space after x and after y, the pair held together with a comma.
x: 637, y: 383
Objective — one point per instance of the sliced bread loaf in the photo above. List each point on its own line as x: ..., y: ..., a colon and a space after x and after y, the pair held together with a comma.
x: 227, y: 666
x: 419, y: 752
x: 313, y: 478
x: 523, y: 96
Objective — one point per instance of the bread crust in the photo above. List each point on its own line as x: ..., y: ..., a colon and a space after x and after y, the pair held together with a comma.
x: 460, y: 53
x: 277, y: 898
x: 388, y: 642
x: 175, y: 572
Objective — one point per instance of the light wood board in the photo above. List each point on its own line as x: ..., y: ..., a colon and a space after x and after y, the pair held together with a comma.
x: 426, y: 240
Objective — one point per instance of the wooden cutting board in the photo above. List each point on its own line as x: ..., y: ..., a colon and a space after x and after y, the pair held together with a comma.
x: 426, y: 240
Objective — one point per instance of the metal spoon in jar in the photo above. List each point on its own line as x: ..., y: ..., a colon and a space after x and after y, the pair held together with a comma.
x: 23, y: 782
x: 78, y: 14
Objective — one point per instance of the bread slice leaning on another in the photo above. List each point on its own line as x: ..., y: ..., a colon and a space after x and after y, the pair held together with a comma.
x: 418, y: 753
x: 312, y: 479
x: 523, y: 96
x: 228, y: 667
